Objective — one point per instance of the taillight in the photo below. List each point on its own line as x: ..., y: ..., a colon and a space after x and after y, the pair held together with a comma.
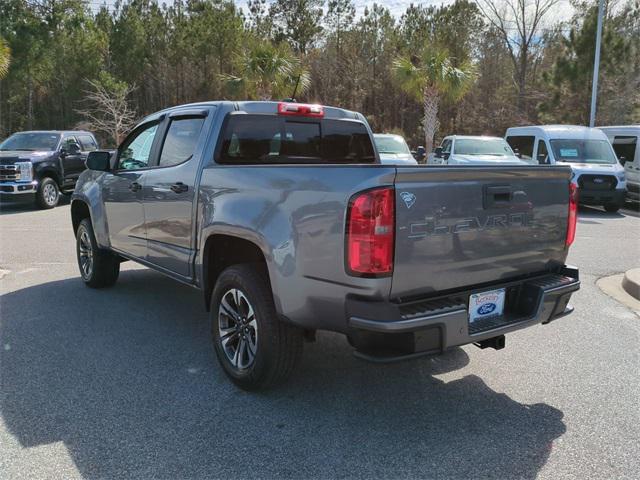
x: 300, y: 109
x: 573, y: 214
x: 370, y: 232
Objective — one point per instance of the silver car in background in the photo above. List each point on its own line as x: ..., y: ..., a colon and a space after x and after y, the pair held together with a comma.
x: 474, y: 150
x: 393, y: 149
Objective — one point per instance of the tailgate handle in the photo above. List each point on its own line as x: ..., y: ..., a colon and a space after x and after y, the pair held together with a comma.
x: 497, y: 196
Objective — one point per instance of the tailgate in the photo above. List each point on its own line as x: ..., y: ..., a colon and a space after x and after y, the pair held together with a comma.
x: 465, y: 226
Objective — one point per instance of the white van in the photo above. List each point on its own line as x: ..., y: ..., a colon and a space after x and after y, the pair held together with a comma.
x: 596, y: 171
x: 626, y: 143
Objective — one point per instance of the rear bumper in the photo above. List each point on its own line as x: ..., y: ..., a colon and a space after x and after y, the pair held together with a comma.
x: 18, y: 188
x: 435, y: 325
x: 600, y: 197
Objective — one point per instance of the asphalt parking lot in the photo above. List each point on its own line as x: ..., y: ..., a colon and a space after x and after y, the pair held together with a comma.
x: 123, y: 383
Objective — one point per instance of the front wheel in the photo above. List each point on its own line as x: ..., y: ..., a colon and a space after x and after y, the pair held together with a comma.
x: 612, y: 207
x: 98, y: 268
x: 255, y: 349
x: 48, y: 193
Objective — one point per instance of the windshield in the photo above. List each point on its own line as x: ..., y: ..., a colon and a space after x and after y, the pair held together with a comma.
x: 482, y: 146
x: 391, y: 144
x: 583, y: 151
x: 29, y: 141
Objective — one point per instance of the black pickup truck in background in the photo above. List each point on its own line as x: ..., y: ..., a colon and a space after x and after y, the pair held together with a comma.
x: 43, y: 163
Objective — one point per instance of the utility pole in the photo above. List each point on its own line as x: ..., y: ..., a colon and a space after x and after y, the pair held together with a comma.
x: 596, y: 67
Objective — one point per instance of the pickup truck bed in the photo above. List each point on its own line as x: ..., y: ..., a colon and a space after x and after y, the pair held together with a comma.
x: 286, y: 237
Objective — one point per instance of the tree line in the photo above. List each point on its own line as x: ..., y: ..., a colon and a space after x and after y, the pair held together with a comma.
x: 467, y: 67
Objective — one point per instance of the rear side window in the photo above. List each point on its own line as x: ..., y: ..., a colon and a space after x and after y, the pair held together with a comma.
x: 522, y: 144
x: 625, y: 148
x: 269, y: 139
x: 180, y: 141
x: 87, y: 143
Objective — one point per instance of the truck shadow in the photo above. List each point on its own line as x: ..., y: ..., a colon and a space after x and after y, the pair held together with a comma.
x: 126, y: 378
x: 24, y: 203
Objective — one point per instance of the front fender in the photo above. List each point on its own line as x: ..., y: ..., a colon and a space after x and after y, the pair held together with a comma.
x: 48, y: 167
x: 88, y: 191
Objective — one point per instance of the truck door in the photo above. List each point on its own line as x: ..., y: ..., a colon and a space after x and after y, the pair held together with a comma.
x: 122, y: 191
x: 72, y: 159
x: 169, y: 193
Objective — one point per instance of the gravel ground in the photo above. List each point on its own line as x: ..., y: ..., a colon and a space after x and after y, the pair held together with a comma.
x: 123, y: 383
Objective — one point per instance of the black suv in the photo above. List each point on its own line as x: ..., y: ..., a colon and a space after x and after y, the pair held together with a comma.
x: 44, y: 163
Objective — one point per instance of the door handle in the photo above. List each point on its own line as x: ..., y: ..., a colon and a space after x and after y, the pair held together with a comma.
x: 497, y: 196
x: 135, y: 186
x: 179, y: 187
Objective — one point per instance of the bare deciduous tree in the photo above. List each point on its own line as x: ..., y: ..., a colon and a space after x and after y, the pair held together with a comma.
x: 519, y: 24
x: 109, y: 111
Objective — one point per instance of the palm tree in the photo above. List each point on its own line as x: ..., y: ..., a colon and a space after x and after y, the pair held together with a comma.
x: 430, y: 77
x: 5, y: 58
x: 266, y: 71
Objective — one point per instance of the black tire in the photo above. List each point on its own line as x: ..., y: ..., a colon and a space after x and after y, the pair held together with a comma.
x: 47, y: 194
x: 278, y: 346
x: 612, y: 207
x: 104, y: 266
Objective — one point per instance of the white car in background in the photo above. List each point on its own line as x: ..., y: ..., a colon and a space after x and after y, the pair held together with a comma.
x: 474, y: 150
x: 393, y: 149
x: 625, y: 141
x: 600, y: 178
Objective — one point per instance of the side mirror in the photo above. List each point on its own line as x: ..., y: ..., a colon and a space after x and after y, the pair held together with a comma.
x: 438, y: 152
x: 517, y: 152
x: 99, y: 160
x: 622, y: 160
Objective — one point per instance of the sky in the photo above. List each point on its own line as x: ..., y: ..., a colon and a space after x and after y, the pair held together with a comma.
x: 397, y: 7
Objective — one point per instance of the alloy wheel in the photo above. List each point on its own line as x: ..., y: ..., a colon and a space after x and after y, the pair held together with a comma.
x: 238, y: 329
x: 50, y: 194
x: 85, y: 253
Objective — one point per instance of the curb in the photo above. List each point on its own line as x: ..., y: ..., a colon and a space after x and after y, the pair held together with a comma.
x: 631, y: 282
x: 612, y: 286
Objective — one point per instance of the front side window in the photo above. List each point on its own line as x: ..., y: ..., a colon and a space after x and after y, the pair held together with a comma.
x: 625, y: 148
x: 523, y: 144
x: 583, y: 151
x: 267, y: 139
x: 543, y: 154
x: 135, y: 152
x: 180, y: 141
x: 31, y: 141
x: 68, y: 141
x: 480, y: 146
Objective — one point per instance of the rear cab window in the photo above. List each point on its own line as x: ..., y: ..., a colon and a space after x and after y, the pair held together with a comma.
x: 263, y: 139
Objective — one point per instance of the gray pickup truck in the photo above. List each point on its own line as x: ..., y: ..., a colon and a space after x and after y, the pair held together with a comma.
x: 283, y: 216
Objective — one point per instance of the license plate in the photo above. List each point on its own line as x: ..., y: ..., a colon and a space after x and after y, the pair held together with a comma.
x: 486, y: 304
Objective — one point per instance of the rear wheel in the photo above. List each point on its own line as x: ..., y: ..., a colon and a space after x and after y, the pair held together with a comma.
x: 255, y: 349
x: 612, y: 207
x: 48, y: 193
x: 98, y: 268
